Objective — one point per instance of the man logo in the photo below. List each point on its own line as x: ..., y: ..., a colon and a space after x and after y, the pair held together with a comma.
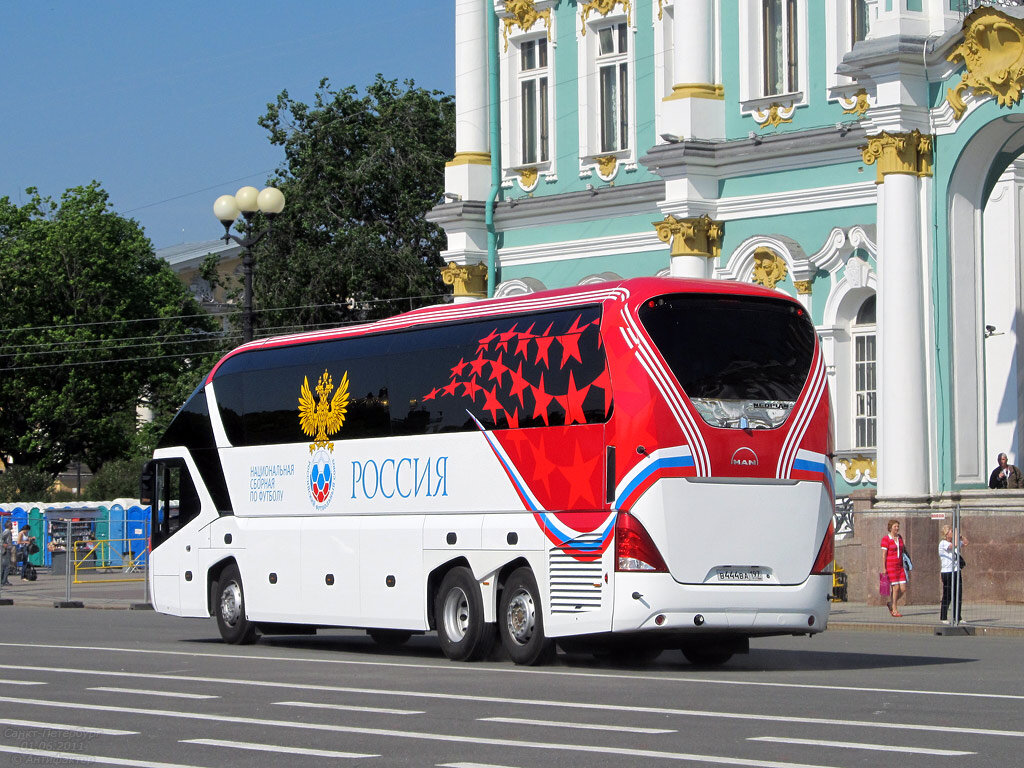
x: 745, y: 457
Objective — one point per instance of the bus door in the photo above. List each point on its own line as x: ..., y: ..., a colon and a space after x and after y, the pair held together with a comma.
x: 174, y: 561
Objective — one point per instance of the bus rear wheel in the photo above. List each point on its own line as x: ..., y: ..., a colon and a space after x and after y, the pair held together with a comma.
x: 521, y: 622
x: 459, y: 616
x: 229, y: 606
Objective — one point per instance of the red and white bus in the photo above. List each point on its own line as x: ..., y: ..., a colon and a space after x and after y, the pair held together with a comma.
x: 634, y: 465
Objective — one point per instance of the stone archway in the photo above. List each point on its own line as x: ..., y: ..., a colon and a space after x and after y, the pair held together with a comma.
x: 977, y: 169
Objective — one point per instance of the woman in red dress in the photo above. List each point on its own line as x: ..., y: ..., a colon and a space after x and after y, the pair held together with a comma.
x: 893, y: 545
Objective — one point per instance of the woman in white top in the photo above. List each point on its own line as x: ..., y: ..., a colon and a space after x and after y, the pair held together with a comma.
x: 949, y: 571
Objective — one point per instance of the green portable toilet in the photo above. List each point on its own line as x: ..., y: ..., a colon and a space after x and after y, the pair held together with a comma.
x: 37, y: 528
x: 103, y: 537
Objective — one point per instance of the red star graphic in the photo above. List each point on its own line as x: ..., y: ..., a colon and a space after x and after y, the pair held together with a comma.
x: 543, y: 469
x: 519, y: 384
x: 572, y: 401
x: 581, y: 479
x: 457, y: 370
x: 492, y: 405
x: 499, y: 369
x: 524, y: 340
x: 543, y: 346
x: 512, y: 419
x: 541, y: 400
x: 570, y: 347
x: 450, y: 389
x: 601, y: 382
x: 471, y: 388
x: 485, y: 342
x: 431, y: 394
x: 476, y: 367
x: 505, y: 338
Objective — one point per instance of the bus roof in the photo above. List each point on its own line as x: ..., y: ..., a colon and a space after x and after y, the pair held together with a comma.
x: 632, y: 292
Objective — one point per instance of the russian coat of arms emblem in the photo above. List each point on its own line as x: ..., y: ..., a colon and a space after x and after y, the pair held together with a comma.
x: 321, y: 417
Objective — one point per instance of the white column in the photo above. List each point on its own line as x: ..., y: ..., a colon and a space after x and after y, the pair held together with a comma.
x: 696, y: 107
x: 903, y: 452
x: 468, y: 173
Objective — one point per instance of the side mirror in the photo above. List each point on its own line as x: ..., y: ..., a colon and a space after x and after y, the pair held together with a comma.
x: 147, y: 484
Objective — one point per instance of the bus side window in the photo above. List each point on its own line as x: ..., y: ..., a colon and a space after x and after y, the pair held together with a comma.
x: 175, y: 499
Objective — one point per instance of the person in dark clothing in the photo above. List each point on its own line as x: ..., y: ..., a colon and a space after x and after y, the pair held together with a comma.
x: 1005, y: 475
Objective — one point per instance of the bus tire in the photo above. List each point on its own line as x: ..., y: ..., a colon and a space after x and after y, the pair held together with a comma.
x: 706, y: 655
x: 389, y: 638
x: 521, y: 621
x: 229, y: 608
x: 459, y: 615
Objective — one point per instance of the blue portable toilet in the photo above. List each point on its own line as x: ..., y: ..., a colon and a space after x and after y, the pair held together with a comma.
x: 137, y: 533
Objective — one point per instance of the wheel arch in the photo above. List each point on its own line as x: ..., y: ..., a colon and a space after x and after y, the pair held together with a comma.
x: 434, y: 579
x: 213, y: 576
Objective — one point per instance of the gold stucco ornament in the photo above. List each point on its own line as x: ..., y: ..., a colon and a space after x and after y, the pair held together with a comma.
x: 769, y: 268
x: 700, y: 236
x: 524, y: 15
x: 993, y: 53
x: 603, y: 7
x: 469, y: 280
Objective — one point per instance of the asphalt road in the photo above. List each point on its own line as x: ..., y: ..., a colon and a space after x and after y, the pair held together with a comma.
x: 127, y: 688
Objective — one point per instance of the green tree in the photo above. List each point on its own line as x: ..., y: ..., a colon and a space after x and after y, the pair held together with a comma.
x: 92, y: 325
x: 360, y: 174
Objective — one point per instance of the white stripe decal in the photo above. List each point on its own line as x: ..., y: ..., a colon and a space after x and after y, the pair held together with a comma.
x: 803, y: 417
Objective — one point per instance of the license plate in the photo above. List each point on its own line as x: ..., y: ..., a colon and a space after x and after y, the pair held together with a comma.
x: 742, y: 574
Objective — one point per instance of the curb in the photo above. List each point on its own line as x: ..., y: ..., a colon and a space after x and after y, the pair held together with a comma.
x: 926, y: 629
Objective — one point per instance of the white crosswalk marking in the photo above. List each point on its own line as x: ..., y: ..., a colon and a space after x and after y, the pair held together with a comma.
x: 47, y: 755
x: 583, y: 726
x: 274, y: 748
x: 349, y: 708
x: 141, y: 691
x: 858, y: 745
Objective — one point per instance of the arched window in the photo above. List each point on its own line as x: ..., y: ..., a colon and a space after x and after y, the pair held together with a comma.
x: 865, y: 378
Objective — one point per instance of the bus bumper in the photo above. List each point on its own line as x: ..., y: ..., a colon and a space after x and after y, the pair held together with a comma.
x: 656, y: 602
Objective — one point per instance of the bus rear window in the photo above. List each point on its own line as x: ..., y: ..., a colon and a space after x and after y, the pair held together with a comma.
x: 742, y: 360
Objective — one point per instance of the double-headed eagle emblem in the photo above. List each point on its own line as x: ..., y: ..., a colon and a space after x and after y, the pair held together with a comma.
x: 321, y: 419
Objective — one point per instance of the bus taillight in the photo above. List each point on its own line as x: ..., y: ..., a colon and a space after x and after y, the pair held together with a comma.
x: 634, y: 549
x: 827, y: 553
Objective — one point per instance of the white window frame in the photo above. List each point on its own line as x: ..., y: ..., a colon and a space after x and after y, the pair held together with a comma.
x: 752, y: 57
x: 860, y: 335
x: 511, y: 102
x: 590, y: 93
x: 839, y: 23
x: 540, y: 77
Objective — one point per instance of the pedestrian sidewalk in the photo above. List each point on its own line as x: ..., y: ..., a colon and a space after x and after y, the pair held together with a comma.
x: 982, y: 618
x: 51, y: 588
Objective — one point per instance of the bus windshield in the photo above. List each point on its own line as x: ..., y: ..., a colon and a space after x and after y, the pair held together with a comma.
x: 742, y: 360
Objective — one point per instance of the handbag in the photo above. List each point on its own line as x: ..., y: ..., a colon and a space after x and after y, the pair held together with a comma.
x: 884, y: 588
x: 33, y: 548
x: 963, y: 563
x: 908, y: 566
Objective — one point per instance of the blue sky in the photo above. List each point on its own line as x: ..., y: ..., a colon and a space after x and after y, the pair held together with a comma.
x: 158, y: 101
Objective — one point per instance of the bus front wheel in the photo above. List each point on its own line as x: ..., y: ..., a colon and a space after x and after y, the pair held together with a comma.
x: 459, y: 615
x: 229, y: 606
x: 521, y: 623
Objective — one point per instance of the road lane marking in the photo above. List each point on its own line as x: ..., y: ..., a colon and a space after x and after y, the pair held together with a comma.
x: 66, y: 727
x: 75, y: 757
x: 348, y: 708
x: 857, y: 745
x: 770, y: 718
x: 144, y: 692
x: 458, y: 738
x: 471, y: 765
x: 23, y: 682
x: 584, y: 726
x: 471, y: 668
x: 274, y: 748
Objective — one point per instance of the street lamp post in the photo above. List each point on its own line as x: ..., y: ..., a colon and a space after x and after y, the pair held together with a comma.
x: 247, y: 202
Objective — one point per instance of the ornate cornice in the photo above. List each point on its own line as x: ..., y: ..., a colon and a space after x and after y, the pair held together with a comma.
x: 524, y: 15
x: 993, y: 53
x: 691, y: 237
x: 603, y: 7
x: 904, y: 153
x: 469, y: 280
x: 769, y: 267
